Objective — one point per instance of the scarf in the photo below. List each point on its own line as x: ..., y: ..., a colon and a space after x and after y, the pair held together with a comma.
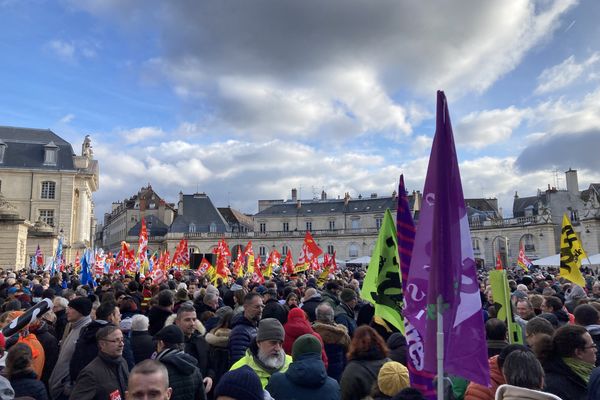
x: 581, y: 368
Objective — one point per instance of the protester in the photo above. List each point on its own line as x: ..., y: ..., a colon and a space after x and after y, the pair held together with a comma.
x: 335, y: 339
x: 344, y: 313
x: 296, y: 326
x: 218, y: 341
x: 240, y: 384
x: 495, y: 332
x: 159, y: 313
x: 20, y: 373
x: 244, y: 326
x: 310, y: 301
x: 149, y: 380
x: 588, y: 317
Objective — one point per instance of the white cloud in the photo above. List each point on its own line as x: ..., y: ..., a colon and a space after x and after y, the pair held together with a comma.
x: 67, y: 118
x: 141, y: 134
x: 62, y: 49
x: 562, y: 75
x: 71, y: 51
x: 484, y: 128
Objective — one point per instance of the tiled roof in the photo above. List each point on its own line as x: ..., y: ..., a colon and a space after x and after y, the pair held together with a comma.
x: 199, y: 210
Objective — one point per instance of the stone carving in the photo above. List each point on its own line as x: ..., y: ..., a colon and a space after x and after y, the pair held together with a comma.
x: 86, y: 147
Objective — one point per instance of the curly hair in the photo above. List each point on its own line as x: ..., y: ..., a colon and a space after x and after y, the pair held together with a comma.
x: 18, y: 360
x: 367, y: 343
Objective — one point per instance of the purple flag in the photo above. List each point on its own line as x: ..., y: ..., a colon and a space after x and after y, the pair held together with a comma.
x: 443, y: 265
x: 405, y: 226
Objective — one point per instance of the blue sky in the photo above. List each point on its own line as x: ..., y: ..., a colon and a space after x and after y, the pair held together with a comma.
x: 246, y: 100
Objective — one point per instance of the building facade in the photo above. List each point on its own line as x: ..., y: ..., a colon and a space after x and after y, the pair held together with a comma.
x: 43, y: 179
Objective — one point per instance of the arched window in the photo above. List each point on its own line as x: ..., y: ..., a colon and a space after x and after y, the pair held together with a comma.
x: 48, y: 190
x: 213, y: 227
x: 353, y: 250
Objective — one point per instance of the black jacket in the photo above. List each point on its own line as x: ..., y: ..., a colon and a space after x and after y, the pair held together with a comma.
x: 60, y: 324
x: 197, y: 347
x: 360, y: 374
x: 562, y: 381
x: 242, y: 332
x: 397, y: 345
x: 309, y: 307
x: 25, y: 384
x: 142, y: 345
x: 103, y: 376
x: 157, y: 317
x: 275, y: 310
x: 86, y: 348
x: 345, y: 315
x: 50, y: 345
x: 184, y: 377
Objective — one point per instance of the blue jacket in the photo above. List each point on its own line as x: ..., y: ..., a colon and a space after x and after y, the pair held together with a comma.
x: 25, y: 384
x: 242, y: 332
x: 305, y: 379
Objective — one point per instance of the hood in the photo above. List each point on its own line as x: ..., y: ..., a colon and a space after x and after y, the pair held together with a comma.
x: 88, y: 334
x: 509, y: 392
x: 296, y: 328
x: 332, y: 334
x: 307, y: 371
x: 218, y: 337
x: 177, y: 359
x: 396, y: 340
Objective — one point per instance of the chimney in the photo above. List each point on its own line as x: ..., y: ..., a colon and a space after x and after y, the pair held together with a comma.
x: 346, y: 198
x: 323, y: 195
x: 180, y: 204
x: 298, y: 204
x: 516, y: 195
x: 373, y: 195
x: 572, y: 183
x: 294, y: 194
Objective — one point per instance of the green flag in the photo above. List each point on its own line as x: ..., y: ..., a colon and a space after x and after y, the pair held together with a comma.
x: 501, y: 295
x: 382, y: 285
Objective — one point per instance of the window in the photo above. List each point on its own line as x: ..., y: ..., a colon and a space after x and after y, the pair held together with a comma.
x: 262, y: 250
x: 284, y: 250
x: 192, y: 228
x: 262, y: 227
x: 330, y: 249
x: 48, y: 190
x: 309, y: 226
x: 355, y: 224
x: 47, y: 216
x: 353, y: 250
x: 378, y: 222
x: 574, y: 215
x: 528, y: 242
x: 332, y: 225
x: 286, y: 226
x: 475, y: 243
x: 2, y: 151
x: 50, y: 154
x: 212, y: 227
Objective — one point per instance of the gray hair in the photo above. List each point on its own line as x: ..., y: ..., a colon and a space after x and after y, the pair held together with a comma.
x: 60, y: 302
x: 208, y: 297
x: 324, y: 312
x: 139, y: 323
x: 521, y: 368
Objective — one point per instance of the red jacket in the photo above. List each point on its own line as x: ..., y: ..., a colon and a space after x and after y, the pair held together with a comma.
x: 296, y: 326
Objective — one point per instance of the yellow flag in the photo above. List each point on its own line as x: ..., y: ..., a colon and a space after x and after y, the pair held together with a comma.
x: 571, y: 254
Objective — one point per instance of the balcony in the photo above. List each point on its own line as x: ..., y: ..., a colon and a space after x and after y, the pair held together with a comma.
x: 507, y: 222
x: 276, y: 234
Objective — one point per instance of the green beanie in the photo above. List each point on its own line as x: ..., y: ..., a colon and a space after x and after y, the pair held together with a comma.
x: 306, y: 344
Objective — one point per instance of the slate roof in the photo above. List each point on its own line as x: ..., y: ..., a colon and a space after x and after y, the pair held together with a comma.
x: 154, y: 226
x: 25, y: 149
x: 333, y: 206
x: 593, y: 190
x: 235, y: 217
x: 199, y: 210
x: 521, y: 203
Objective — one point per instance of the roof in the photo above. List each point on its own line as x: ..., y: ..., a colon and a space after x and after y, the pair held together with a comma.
x: 235, y: 217
x: 333, y: 206
x: 154, y: 226
x: 593, y: 190
x: 484, y: 205
x: 521, y: 203
x: 25, y: 149
x: 199, y: 210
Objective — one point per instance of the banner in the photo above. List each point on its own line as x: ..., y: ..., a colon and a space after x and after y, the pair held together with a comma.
x: 501, y: 295
x: 571, y: 254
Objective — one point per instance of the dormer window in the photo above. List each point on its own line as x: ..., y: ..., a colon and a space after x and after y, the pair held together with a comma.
x: 2, y: 151
x: 192, y: 228
x: 50, y: 154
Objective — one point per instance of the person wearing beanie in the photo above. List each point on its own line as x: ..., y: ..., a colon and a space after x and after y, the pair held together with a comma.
x: 265, y: 354
x: 78, y: 315
x: 344, y: 313
x: 184, y: 376
x: 306, y: 378
x: 296, y: 326
x: 392, y: 378
x: 240, y: 384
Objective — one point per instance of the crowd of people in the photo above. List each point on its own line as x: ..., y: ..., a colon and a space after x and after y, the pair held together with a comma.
x: 288, y: 338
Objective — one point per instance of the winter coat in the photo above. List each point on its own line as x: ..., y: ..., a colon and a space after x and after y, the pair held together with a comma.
x: 360, y: 374
x: 50, y: 345
x: 336, y: 342
x: 26, y: 384
x: 60, y: 324
x: 594, y: 385
x: 103, y: 376
x: 242, y: 332
x: 305, y: 379
x: 157, y: 317
x: 251, y: 359
x: 594, y: 331
x: 86, y: 348
x: 397, y: 345
x: 218, y: 341
x: 476, y: 391
x: 60, y: 379
x: 562, y: 381
x: 142, y: 345
x: 345, y: 315
x: 310, y: 305
x: 275, y: 310
x: 296, y: 326
x: 184, y: 376
x: 330, y: 298
x: 196, y: 346
x: 509, y: 392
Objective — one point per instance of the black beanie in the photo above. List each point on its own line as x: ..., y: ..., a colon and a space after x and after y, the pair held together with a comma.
x: 82, y: 305
x: 240, y: 384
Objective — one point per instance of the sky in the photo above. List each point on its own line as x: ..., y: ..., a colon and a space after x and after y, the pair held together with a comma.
x: 245, y: 100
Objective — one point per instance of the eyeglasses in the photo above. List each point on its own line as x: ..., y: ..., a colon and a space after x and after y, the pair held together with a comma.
x: 591, y: 346
x: 120, y: 340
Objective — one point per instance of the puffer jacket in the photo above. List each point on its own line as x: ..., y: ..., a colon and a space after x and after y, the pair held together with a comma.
x: 305, y: 379
x: 242, y: 332
x: 184, y: 377
x: 476, y: 391
x: 296, y: 326
x: 360, y: 374
x: 336, y: 340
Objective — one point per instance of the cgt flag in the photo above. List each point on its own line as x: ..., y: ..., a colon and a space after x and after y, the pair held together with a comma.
x: 571, y: 254
x: 522, y: 260
x: 382, y: 286
x: 442, y: 268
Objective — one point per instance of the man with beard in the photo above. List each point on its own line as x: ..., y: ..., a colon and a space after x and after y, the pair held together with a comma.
x: 265, y: 354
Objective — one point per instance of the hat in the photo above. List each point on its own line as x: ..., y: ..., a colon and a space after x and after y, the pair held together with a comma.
x: 6, y: 390
x: 575, y: 292
x: 240, y: 384
x: 82, y: 305
x: 526, y: 280
x: 182, y: 294
x: 261, y: 290
x: 170, y: 334
x: 12, y: 290
x: 307, y: 343
x: 347, y: 295
x: 270, y: 329
x: 235, y: 287
x: 392, y: 378
x: 38, y: 290
x: 519, y: 294
x: 222, y: 311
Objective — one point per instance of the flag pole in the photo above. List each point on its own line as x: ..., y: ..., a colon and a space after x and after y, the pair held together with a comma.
x: 440, y: 350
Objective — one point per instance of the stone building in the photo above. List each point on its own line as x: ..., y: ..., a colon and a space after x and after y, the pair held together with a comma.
x: 47, y: 186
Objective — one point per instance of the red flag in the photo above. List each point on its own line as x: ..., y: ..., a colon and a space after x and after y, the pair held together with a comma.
x: 249, y: 253
x: 288, y: 264
x: 39, y: 257
x: 238, y: 265
x: 333, y: 264
x: 143, y: 247
x: 498, y: 262
x: 523, y: 261
x: 181, y: 257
